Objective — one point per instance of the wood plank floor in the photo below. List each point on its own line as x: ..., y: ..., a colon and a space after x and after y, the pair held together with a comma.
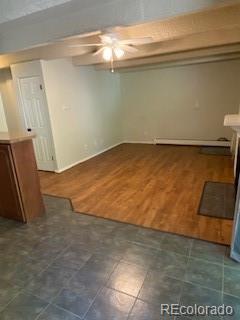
x: 154, y: 186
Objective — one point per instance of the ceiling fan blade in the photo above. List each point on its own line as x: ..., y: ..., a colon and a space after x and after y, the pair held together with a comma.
x: 85, y: 45
x: 99, y: 51
x: 128, y: 48
x: 88, y: 34
x: 106, y: 39
x: 137, y: 41
x: 80, y: 36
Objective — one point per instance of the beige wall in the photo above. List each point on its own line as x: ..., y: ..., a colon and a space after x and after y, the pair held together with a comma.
x: 84, y: 110
x: 187, y: 102
x: 9, y: 100
x: 90, y: 111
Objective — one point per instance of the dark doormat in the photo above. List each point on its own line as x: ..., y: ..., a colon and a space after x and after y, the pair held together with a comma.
x: 216, y: 151
x: 218, y: 200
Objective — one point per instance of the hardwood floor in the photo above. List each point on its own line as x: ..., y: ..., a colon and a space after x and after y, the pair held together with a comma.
x: 153, y: 186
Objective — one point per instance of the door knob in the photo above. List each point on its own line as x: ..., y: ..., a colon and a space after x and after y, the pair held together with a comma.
x: 29, y: 129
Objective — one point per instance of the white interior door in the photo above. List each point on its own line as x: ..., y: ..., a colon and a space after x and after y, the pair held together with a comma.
x: 35, y: 115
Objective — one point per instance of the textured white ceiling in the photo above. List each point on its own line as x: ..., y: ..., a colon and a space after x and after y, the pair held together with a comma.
x: 25, y: 23
x: 13, y: 9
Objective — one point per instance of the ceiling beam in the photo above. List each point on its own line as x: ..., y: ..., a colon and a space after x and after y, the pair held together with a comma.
x: 192, y: 42
x: 75, y: 17
x: 48, y: 52
x: 217, y: 26
x: 205, y: 55
x: 179, y: 63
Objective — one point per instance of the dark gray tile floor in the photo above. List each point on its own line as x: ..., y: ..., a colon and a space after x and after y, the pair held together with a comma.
x: 72, y: 266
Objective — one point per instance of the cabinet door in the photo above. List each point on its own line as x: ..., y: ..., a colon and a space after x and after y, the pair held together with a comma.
x: 10, y: 201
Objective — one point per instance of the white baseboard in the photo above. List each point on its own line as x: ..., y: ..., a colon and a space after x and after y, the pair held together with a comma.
x: 211, y: 143
x: 87, y: 158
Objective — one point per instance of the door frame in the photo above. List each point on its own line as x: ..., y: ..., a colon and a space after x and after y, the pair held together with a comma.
x: 30, y: 70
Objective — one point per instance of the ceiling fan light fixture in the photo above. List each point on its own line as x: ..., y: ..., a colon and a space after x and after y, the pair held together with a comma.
x: 119, y: 52
x: 107, y: 53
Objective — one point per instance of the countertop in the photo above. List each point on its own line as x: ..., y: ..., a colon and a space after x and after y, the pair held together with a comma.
x: 14, y: 137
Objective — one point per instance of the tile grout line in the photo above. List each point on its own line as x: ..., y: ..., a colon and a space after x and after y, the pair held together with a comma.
x: 45, y: 269
x: 60, y: 308
x: 223, y: 275
x: 44, y: 309
x: 15, y: 296
x: 74, y: 273
x: 137, y: 297
x: 148, y: 271
x: 52, y: 299
x: 188, y: 260
x: 110, y: 274
x: 100, y: 289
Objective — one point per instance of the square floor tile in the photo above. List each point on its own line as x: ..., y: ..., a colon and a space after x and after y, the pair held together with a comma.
x: 208, y: 251
x: 235, y: 304
x: 110, y: 305
x: 159, y: 289
x: 229, y: 262
x: 175, y: 243
x: 149, y: 238
x: 171, y: 264
x: 49, y: 283
x: 54, y: 313
x: 125, y: 232
x: 145, y: 311
x: 112, y: 248
x: 232, y: 281
x: 91, y: 277
x: 27, y: 270
x: 8, y: 269
x: 97, y: 267
x: 127, y: 278
x: 73, y: 257
x: 23, y: 307
x: 8, y: 291
x: 140, y: 255
x: 76, y: 303
x: 193, y: 294
x: 205, y: 274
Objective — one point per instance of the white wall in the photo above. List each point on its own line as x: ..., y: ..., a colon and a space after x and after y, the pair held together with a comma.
x: 84, y: 110
x: 9, y: 100
x: 91, y: 111
x: 3, y: 121
x: 187, y: 102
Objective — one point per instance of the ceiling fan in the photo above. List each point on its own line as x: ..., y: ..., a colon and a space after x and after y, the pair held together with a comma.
x: 110, y: 46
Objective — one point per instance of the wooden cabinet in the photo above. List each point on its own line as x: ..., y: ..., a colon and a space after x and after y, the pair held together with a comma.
x: 20, y: 196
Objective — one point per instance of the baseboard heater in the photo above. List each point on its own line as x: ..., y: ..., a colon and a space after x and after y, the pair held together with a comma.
x: 212, y: 143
